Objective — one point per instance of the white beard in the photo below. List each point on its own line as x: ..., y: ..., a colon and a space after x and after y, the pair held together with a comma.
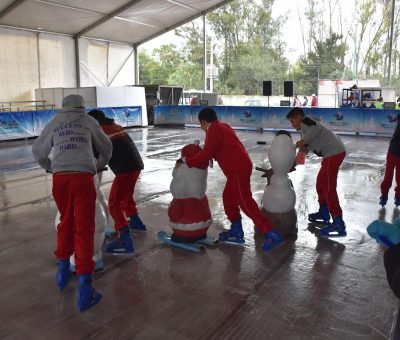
x: 188, y: 182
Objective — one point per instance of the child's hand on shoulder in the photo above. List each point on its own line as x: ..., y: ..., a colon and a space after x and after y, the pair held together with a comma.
x: 179, y: 162
x: 300, y: 143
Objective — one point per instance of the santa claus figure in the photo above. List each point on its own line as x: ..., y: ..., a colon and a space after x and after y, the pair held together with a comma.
x: 189, y: 212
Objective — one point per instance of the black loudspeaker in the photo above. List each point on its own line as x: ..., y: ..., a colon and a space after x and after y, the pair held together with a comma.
x: 267, y: 88
x: 288, y: 88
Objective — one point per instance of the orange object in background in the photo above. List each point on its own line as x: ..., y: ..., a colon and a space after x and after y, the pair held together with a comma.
x: 300, y: 158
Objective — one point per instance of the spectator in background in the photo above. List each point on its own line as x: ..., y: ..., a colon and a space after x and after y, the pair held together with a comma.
x: 379, y: 103
x: 350, y: 99
x: 398, y: 104
x: 296, y: 101
x: 314, y: 100
x: 305, y: 102
x: 357, y: 98
x: 193, y: 100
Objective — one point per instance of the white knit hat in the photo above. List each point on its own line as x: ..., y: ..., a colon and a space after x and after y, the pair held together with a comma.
x: 73, y: 101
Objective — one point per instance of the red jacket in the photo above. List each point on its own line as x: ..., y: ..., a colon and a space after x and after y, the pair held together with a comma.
x: 314, y: 102
x: 125, y: 156
x: 224, y: 146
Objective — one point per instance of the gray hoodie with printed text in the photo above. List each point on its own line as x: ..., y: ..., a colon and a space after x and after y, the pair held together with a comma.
x: 320, y: 139
x: 72, y: 135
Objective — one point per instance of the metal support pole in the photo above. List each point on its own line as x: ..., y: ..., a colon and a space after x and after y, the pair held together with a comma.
x: 391, y: 44
x: 204, y: 54
x: 107, y: 64
x: 136, y: 64
x: 93, y: 74
x: 38, y: 60
x: 77, y: 63
x: 121, y: 66
x: 211, y: 66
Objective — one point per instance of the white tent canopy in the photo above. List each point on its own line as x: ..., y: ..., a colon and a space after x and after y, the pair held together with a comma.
x: 132, y: 22
x: 80, y: 43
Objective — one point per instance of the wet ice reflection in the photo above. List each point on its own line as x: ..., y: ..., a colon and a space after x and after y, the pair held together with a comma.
x: 310, y: 288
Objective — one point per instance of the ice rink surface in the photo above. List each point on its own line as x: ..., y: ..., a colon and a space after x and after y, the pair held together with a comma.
x: 310, y: 288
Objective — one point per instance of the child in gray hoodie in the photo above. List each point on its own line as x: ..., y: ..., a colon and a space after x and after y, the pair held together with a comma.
x: 324, y: 143
x: 72, y: 135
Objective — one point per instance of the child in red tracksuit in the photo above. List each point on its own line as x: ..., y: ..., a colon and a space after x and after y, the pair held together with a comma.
x: 388, y: 236
x: 126, y: 164
x: 72, y: 135
x: 392, y: 163
x: 327, y: 145
x: 224, y: 146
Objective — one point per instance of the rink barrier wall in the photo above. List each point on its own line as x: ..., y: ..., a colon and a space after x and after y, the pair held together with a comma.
x: 26, y: 124
x: 369, y: 122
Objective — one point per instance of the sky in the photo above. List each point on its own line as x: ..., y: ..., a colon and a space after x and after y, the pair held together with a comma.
x: 291, y: 31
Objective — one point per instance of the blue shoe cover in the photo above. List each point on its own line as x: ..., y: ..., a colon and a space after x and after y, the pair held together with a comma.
x: 64, y: 274
x: 384, y: 233
x: 234, y: 234
x: 109, y: 231
x: 136, y: 223
x: 336, y: 229
x: 99, y: 266
x: 123, y: 245
x: 272, y: 240
x: 397, y: 201
x: 87, y: 295
x: 383, y: 200
x: 322, y: 216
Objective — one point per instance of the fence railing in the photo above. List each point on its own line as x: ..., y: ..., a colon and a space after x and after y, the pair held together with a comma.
x: 25, y: 105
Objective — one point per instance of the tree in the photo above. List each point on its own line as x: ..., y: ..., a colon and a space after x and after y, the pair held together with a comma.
x: 325, y: 62
x: 148, y: 69
x: 371, y: 37
x: 186, y: 75
x: 169, y: 58
x: 158, y: 68
x: 251, y: 41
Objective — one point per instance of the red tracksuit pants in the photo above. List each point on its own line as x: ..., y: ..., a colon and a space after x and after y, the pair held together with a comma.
x: 75, y: 197
x: 392, y: 164
x: 237, y: 193
x: 120, y: 202
x: 327, y: 183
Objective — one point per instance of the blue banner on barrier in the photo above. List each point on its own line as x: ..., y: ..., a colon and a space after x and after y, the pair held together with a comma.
x: 124, y: 116
x: 41, y: 119
x: 24, y: 124
x: 337, y: 119
x: 16, y: 125
x: 171, y: 114
x: 380, y: 121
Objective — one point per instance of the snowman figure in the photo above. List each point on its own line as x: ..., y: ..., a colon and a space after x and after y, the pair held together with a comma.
x: 279, y: 197
x: 189, y: 212
x: 99, y: 232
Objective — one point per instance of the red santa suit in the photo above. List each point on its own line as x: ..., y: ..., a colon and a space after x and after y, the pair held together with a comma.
x: 189, y: 212
x: 224, y: 146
